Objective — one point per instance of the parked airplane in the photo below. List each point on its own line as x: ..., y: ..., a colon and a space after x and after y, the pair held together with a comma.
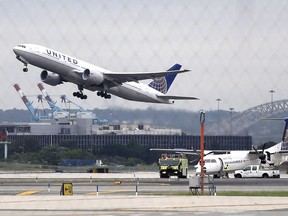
x: 64, y: 68
x: 219, y: 162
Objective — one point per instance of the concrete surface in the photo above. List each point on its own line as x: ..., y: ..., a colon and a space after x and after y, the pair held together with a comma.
x: 132, y: 204
x: 141, y: 205
x: 54, y: 175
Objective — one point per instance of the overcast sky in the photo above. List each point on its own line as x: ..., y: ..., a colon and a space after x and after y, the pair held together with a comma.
x: 236, y: 50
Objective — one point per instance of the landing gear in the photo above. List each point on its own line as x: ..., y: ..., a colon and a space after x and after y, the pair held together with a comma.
x: 25, y: 69
x: 103, y: 94
x: 80, y: 94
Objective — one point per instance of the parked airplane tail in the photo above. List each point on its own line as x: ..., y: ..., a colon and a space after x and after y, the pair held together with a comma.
x: 162, y: 84
x: 284, y: 145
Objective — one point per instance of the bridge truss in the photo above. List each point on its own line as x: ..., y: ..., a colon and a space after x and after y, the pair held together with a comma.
x: 239, y: 122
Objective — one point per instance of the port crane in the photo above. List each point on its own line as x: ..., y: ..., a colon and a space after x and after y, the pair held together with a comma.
x: 35, y: 113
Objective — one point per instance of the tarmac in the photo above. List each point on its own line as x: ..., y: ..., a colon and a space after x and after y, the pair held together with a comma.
x: 142, y: 205
x: 132, y: 204
x: 56, y: 175
x: 65, y: 175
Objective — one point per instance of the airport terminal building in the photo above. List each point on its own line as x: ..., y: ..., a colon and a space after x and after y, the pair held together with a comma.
x: 91, y: 136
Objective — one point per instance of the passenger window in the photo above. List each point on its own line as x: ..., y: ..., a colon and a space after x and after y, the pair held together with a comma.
x: 254, y: 168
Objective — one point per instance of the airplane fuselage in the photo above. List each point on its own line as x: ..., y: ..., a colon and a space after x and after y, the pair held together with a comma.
x: 217, y: 163
x: 70, y: 69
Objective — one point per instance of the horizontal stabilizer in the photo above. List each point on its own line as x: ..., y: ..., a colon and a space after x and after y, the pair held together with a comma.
x: 177, y: 97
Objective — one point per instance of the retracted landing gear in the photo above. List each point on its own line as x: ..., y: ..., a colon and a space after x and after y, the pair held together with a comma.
x: 103, y: 94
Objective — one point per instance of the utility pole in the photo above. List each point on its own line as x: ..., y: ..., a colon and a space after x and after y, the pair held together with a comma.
x: 202, y: 147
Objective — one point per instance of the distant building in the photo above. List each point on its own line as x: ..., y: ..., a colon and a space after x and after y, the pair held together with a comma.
x: 82, y: 126
x: 90, y: 136
x: 97, y: 142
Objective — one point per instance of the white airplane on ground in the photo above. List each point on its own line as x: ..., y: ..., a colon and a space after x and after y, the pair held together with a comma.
x: 64, y: 68
x: 219, y: 162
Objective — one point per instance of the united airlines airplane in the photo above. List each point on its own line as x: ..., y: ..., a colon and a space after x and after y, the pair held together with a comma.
x: 58, y: 68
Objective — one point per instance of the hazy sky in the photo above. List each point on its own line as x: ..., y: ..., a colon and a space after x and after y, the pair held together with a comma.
x: 237, y: 50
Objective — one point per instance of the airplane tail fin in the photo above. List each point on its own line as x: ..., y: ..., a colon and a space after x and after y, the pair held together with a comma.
x: 284, y: 145
x: 162, y: 84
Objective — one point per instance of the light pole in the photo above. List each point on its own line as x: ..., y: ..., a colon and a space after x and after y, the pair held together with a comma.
x: 272, y: 92
x: 231, y: 115
x: 218, y: 100
x: 272, y: 107
x: 218, y: 108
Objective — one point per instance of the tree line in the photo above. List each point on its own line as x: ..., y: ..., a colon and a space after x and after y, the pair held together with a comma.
x: 29, y: 150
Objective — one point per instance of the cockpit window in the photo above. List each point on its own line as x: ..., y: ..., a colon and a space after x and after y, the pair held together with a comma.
x: 20, y: 45
x: 210, y: 161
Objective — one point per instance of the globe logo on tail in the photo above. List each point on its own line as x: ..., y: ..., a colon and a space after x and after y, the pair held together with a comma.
x: 160, y: 84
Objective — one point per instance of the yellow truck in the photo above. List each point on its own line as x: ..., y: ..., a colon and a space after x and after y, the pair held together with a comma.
x: 173, y: 165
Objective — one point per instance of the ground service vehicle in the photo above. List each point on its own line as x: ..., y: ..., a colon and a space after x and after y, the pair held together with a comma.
x: 257, y: 171
x: 173, y: 165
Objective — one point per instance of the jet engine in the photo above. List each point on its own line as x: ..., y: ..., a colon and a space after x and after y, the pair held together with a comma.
x: 50, y: 78
x: 92, y: 78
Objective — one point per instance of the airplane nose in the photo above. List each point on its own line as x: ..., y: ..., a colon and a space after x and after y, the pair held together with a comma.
x: 15, y: 50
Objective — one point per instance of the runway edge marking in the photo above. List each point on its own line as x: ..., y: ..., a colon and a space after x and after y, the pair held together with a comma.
x: 30, y: 192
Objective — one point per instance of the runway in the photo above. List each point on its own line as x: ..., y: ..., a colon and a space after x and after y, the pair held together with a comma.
x: 141, y: 193
x: 142, y: 183
x: 140, y: 187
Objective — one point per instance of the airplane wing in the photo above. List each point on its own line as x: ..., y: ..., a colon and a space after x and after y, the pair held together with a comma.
x: 254, y: 152
x: 177, y: 97
x: 283, y: 152
x: 183, y: 151
x: 177, y: 150
x: 120, y: 77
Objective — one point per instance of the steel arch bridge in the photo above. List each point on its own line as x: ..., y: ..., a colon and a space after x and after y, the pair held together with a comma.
x: 243, y: 120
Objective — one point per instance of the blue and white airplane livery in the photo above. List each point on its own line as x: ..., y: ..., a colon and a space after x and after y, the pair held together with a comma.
x: 58, y: 68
